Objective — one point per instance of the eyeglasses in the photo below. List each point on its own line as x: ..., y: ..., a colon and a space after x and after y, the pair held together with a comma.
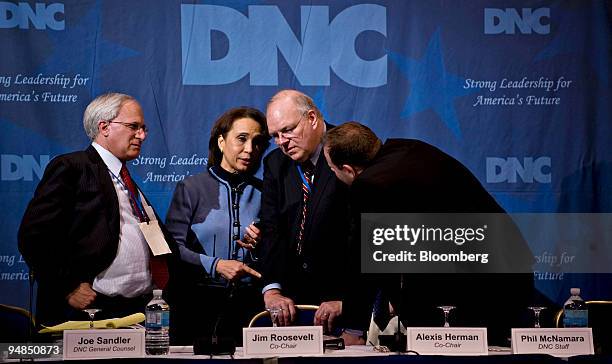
x: 135, y: 127
x: 288, y: 132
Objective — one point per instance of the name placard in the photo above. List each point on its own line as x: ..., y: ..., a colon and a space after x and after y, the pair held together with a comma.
x: 448, y: 340
x: 112, y: 343
x: 296, y: 340
x: 557, y: 342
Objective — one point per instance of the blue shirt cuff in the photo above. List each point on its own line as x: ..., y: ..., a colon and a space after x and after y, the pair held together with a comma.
x: 354, y: 332
x: 271, y: 286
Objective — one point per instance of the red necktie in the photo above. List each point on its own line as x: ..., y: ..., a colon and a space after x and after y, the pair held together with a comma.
x: 158, y: 265
x: 307, y: 169
x: 129, y: 184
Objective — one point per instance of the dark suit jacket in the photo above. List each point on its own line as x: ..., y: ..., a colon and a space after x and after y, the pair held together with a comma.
x: 411, y: 176
x: 70, y: 230
x: 314, y: 277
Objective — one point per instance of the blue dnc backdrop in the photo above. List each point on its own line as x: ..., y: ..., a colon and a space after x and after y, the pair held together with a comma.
x: 518, y: 91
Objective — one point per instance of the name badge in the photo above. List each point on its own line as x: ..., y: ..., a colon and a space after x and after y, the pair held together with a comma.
x: 152, y: 232
x: 448, y: 340
x: 113, y: 343
x: 557, y: 342
x: 296, y: 340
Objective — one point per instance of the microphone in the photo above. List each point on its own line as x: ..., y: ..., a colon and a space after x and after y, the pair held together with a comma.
x: 215, y: 344
x: 30, y: 306
x: 400, y: 339
x: 396, y: 342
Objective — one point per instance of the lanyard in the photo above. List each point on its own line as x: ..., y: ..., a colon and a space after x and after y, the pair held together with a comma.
x: 131, y: 196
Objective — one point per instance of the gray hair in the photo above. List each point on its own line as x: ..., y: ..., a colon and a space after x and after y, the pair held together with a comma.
x: 103, y: 107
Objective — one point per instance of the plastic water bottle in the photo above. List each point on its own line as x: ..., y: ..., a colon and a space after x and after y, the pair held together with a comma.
x: 575, y: 310
x: 157, y: 339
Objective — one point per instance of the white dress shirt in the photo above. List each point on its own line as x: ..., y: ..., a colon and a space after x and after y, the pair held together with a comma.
x: 129, y: 274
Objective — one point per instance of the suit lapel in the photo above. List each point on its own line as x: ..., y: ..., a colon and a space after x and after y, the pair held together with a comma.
x: 107, y: 189
x: 323, y: 176
x: 295, y: 181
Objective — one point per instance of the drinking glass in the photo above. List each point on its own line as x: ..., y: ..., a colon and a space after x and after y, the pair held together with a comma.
x: 273, y: 315
x: 536, y: 313
x: 92, y: 313
x: 446, y: 310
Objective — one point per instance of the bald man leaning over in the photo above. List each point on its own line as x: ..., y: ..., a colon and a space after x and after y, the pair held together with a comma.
x: 304, y: 214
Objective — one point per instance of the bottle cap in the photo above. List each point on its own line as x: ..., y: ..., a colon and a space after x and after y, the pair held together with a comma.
x: 575, y: 291
x: 157, y: 292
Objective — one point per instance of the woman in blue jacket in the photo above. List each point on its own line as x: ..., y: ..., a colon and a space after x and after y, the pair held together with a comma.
x: 211, y: 218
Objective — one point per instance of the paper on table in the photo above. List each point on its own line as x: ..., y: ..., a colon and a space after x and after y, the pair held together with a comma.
x: 114, y: 323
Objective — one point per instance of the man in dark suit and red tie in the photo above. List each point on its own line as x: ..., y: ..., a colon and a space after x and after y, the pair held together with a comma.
x: 89, y: 235
x: 304, y: 215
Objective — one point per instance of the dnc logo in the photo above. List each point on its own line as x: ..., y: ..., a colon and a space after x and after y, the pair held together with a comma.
x: 21, y: 14
x: 254, y: 43
x: 15, y: 167
x: 497, y: 21
x: 508, y: 169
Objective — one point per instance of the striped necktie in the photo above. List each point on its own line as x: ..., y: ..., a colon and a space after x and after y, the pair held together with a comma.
x: 131, y: 187
x: 157, y: 264
x: 307, y: 172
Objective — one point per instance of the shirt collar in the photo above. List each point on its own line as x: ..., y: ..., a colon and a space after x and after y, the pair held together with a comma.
x: 113, y: 163
x: 314, y: 157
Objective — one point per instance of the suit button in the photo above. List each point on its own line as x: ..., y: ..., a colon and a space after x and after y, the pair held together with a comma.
x: 305, y: 265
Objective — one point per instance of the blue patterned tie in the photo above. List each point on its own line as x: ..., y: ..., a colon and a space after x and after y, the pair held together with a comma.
x: 307, y: 171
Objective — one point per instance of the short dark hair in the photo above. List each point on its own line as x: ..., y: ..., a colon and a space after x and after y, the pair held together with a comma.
x: 224, y: 124
x: 351, y: 143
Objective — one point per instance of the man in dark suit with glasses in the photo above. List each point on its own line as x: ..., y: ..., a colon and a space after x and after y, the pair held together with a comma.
x: 89, y: 234
x: 304, y: 215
